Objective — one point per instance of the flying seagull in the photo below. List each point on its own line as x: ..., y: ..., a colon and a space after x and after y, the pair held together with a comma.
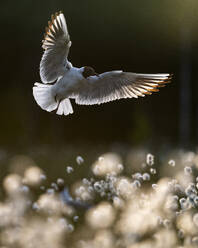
x: 61, y: 81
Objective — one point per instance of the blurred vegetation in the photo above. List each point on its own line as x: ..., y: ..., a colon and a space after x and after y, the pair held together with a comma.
x: 136, y: 200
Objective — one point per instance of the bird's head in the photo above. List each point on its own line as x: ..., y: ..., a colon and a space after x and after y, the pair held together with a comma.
x: 68, y: 65
x: 88, y: 71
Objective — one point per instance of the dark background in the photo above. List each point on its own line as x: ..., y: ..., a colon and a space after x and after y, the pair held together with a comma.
x: 139, y: 36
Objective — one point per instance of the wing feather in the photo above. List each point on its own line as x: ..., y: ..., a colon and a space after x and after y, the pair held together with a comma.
x: 110, y: 86
x: 56, y: 44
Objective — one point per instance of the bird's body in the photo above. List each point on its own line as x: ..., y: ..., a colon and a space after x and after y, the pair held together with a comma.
x: 61, y: 81
x: 69, y: 84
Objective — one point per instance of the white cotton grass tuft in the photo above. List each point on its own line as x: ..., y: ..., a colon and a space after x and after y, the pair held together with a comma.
x: 107, y: 164
x: 12, y: 183
x: 186, y: 223
x: 82, y: 191
x: 195, y: 240
x: 79, y: 160
x: 49, y: 203
x: 69, y: 169
x: 188, y: 170
x: 154, y: 186
x: 136, y: 184
x: 125, y: 188
x: 33, y: 176
x: 50, y: 191
x: 98, y: 186
x: 146, y: 177
x: 183, y: 179
x: 153, y: 171
x: 150, y: 159
x: 76, y: 218
x: 195, y: 219
x: 103, y: 238
x: 6, y: 211
x: 101, y: 216
x: 118, y: 202
x: 137, y: 176
x: 25, y: 189
x: 60, y: 182
x: 196, y: 200
x: 172, y: 162
x: 136, y: 220
x: 52, y: 231
x: 43, y: 177
x: 167, y: 238
x: 171, y: 203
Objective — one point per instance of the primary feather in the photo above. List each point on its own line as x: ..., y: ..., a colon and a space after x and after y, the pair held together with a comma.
x: 56, y: 44
x: 114, y: 85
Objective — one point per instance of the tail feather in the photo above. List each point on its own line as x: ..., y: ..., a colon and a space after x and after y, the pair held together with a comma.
x: 46, y: 100
x: 43, y: 95
x: 65, y: 107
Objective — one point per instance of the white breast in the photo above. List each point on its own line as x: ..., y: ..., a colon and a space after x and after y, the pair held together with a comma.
x: 69, y: 83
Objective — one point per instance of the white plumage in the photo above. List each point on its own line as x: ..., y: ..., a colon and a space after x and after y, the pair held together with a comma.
x: 83, y: 84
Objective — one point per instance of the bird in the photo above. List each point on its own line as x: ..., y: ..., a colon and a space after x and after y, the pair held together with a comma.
x: 61, y: 81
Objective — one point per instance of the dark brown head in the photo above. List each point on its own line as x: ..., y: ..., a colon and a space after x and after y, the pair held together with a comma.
x: 89, y: 71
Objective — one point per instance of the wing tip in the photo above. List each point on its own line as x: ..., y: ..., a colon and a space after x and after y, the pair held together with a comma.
x: 54, y: 25
x: 152, y: 82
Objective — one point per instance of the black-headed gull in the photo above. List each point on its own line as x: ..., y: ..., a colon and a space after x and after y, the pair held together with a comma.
x: 61, y: 81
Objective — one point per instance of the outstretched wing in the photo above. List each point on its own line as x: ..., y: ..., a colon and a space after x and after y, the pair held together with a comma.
x: 56, y: 44
x: 110, y: 86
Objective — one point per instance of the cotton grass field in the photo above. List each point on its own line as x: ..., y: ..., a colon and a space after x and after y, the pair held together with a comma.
x: 140, y: 200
